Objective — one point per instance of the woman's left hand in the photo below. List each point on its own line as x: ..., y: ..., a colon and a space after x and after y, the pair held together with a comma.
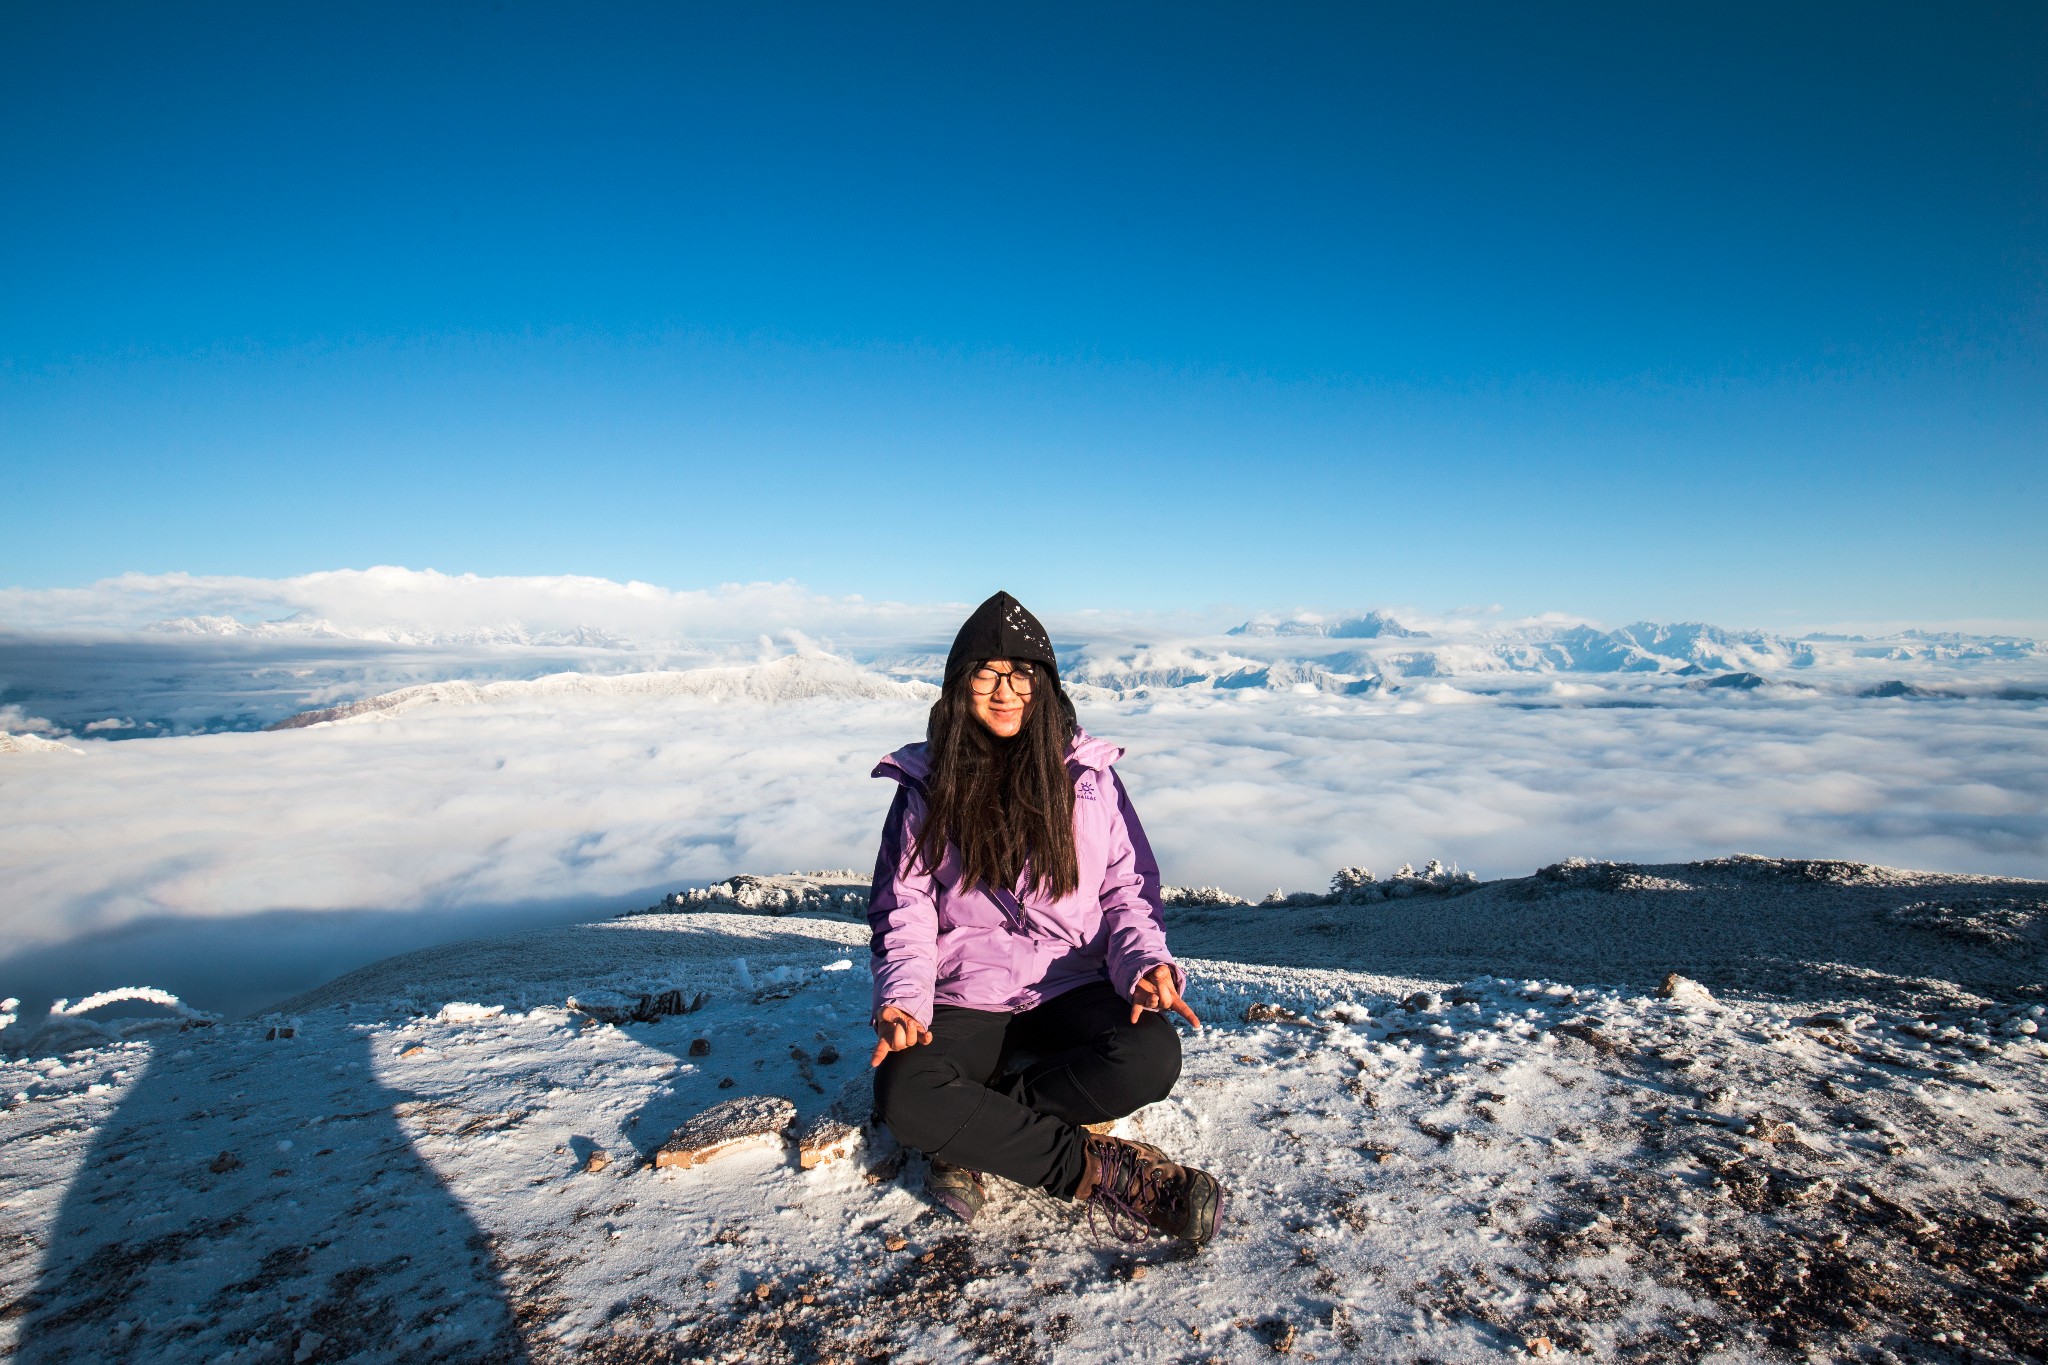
x: 1155, y: 991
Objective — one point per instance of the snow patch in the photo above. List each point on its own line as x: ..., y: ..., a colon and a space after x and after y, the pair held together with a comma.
x: 464, y: 1012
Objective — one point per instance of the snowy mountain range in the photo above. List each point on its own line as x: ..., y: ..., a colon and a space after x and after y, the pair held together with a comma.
x: 801, y: 677
x: 1365, y: 655
x: 211, y: 673
x: 303, y: 627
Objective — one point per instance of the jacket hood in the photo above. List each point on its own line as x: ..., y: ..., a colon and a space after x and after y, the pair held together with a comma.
x: 912, y: 764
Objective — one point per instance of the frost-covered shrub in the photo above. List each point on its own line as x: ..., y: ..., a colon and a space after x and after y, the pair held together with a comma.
x: 1355, y: 885
x: 1348, y: 882
x: 1592, y: 874
x: 1188, y: 897
x: 839, y: 894
x: 1825, y: 871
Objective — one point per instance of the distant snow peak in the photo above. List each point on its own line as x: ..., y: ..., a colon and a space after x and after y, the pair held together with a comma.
x: 796, y: 677
x: 1147, y: 668
x: 33, y: 744
x: 302, y: 626
x: 1372, y: 625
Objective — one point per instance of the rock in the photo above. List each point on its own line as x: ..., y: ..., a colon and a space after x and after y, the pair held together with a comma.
x: 1422, y: 1002
x: 730, y: 1126
x: 309, y: 1346
x: 1538, y: 1346
x: 1261, y: 1013
x: 1790, y: 1187
x: 609, y: 1007
x: 1771, y: 1130
x: 895, y: 1242
x: 598, y: 1159
x: 1683, y: 990
x: 1593, y: 1038
x: 700, y: 1047
x: 826, y: 1139
x: 827, y: 1055
x: 1277, y: 1333
x: 415, y: 1050
x: 225, y: 1162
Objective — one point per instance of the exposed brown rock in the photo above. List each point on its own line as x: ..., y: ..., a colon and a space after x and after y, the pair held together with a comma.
x: 826, y: 1139
x: 732, y: 1126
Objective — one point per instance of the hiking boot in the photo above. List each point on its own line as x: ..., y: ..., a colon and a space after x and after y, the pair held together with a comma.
x: 957, y: 1187
x: 1138, y: 1189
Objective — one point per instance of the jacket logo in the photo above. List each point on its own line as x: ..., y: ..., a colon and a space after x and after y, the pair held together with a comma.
x: 1086, y: 790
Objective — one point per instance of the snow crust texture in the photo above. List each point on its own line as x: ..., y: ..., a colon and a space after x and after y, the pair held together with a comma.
x: 437, y: 1158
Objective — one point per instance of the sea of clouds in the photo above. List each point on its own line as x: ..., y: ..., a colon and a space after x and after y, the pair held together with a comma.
x: 156, y: 834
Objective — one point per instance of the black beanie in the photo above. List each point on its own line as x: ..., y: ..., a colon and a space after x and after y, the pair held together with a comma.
x: 1000, y: 628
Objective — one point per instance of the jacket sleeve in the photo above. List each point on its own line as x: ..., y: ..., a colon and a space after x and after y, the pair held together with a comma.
x: 1130, y: 901
x: 903, y: 916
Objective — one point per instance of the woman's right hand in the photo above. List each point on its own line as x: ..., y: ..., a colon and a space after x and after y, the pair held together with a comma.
x: 896, y: 1030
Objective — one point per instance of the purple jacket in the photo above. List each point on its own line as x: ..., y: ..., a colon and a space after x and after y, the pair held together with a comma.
x: 936, y: 941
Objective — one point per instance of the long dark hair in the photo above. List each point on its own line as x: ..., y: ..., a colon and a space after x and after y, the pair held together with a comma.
x: 1006, y: 804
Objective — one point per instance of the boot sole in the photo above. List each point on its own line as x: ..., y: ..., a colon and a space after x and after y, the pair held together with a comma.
x: 959, y: 1209
x: 1215, y: 1216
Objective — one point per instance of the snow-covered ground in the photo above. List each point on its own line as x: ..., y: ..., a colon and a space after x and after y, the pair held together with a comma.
x: 1454, y: 1127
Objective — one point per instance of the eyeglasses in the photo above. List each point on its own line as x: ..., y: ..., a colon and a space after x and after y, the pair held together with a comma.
x: 986, y: 680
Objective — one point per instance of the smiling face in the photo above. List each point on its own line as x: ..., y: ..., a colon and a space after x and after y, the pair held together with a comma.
x: 1002, y: 693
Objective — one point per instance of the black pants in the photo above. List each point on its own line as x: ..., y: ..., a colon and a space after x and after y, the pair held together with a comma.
x: 951, y: 1099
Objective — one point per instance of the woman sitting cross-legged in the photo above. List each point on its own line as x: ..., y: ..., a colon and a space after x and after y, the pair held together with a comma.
x: 1016, y: 911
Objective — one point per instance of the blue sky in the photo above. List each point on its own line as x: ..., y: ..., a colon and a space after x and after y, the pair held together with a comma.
x: 1719, y: 312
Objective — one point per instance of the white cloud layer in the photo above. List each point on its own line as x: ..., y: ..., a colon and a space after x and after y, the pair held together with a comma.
x: 146, y: 832
x: 542, y: 801
x: 401, y: 605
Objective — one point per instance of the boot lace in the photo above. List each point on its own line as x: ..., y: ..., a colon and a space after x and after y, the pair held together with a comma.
x: 1133, y: 1193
